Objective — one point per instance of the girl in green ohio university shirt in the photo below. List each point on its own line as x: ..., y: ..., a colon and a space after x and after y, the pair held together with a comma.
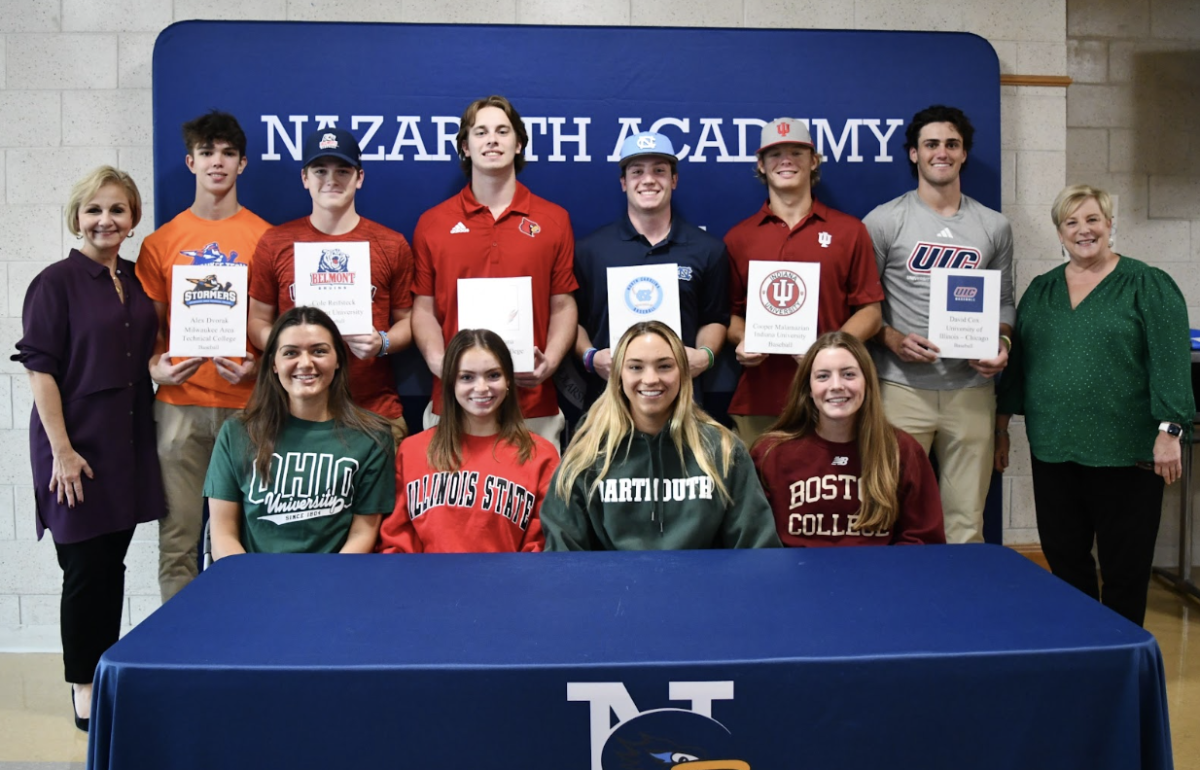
x: 302, y: 470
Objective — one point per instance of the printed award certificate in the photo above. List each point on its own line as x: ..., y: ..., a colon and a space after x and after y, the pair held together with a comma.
x: 336, y: 277
x: 781, y: 306
x: 964, y: 312
x: 643, y: 293
x: 505, y: 306
x: 208, y: 311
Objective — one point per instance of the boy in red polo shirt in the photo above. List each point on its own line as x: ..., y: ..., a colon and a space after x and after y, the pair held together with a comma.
x: 793, y: 226
x: 333, y: 174
x: 497, y: 228
x: 196, y: 395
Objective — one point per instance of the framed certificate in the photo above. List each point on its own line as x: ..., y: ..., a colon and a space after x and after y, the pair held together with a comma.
x: 964, y: 312
x: 505, y: 306
x: 208, y: 311
x: 781, y: 306
x: 643, y: 293
x: 336, y: 277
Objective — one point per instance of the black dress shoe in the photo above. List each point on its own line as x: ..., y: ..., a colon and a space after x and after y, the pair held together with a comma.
x: 80, y: 722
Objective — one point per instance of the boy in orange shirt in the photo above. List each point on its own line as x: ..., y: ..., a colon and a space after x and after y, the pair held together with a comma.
x: 196, y: 395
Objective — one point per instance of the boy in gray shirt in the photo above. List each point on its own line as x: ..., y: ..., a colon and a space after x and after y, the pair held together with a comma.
x: 946, y: 404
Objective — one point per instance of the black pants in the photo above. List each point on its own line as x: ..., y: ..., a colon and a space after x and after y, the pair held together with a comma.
x: 92, y: 598
x: 1118, y: 508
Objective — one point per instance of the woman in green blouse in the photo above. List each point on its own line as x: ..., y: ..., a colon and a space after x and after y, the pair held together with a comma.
x: 1100, y: 367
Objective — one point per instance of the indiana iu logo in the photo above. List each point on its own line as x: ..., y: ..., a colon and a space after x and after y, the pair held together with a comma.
x: 783, y: 293
x: 643, y: 295
x: 784, y: 129
x: 334, y: 268
x: 210, y: 291
x: 824, y: 239
x: 658, y: 739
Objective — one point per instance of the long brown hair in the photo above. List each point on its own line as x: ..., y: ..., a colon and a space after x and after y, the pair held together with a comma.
x: 875, y: 436
x: 445, y: 450
x: 267, y: 411
x: 609, y: 423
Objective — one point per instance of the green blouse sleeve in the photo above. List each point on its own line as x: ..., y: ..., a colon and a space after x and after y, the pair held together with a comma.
x: 1163, y: 310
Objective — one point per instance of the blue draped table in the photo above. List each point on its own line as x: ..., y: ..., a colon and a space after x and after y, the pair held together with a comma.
x: 929, y: 657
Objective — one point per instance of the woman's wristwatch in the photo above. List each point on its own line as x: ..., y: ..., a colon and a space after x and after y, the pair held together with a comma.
x: 1171, y: 429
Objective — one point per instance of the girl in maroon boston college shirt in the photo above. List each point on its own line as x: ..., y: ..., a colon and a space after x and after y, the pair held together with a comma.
x: 475, y: 481
x: 835, y: 471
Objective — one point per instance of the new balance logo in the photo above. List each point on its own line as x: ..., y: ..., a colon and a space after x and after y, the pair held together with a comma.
x: 459, y: 228
x: 945, y: 233
x: 840, y: 461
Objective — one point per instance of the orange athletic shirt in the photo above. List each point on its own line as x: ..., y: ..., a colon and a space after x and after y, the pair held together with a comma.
x: 459, y: 238
x: 372, y: 384
x: 189, y: 240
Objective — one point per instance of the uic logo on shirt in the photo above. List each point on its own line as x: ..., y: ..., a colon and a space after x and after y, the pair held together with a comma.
x: 209, y: 291
x: 964, y: 293
x: 643, y: 295
x: 659, y: 738
x: 334, y: 268
x: 783, y: 293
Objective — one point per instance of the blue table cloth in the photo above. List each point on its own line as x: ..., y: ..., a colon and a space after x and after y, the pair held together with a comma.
x: 918, y: 657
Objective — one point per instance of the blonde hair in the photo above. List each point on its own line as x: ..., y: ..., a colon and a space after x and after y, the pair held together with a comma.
x: 875, y: 436
x: 85, y: 189
x: 1076, y: 195
x: 609, y: 423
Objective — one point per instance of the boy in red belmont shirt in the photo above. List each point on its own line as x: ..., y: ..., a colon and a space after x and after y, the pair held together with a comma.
x: 497, y: 228
x: 333, y: 174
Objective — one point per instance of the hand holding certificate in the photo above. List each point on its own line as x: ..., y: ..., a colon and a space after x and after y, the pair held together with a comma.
x: 336, y: 277
x: 505, y: 306
x: 964, y: 312
x: 208, y: 311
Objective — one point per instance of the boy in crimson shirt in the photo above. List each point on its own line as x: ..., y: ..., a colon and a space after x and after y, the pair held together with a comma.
x: 793, y: 226
x: 497, y: 228
x: 196, y: 395
x: 333, y: 174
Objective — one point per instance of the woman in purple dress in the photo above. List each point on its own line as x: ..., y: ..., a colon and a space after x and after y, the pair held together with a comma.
x: 88, y: 331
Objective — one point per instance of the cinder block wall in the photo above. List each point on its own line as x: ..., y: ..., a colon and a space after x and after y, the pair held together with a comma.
x: 1133, y: 128
x: 75, y: 93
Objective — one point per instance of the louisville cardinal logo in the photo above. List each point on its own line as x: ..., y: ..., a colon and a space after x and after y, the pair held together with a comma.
x: 529, y: 227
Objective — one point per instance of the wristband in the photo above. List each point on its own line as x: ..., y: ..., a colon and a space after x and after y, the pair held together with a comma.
x: 383, y: 349
x: 587, y: 359
x: 712, y: 358
x: 1007, y: 340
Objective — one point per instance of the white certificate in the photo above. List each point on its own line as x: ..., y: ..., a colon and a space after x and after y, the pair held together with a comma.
x: 781, y: 306
x: 208, y: 311
x: 964, y: 312
x: 643, y: 293
x: 505, y: 306
x: 336, y: 277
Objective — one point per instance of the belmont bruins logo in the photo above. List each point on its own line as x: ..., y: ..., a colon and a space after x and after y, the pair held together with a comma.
x: 783, y: 293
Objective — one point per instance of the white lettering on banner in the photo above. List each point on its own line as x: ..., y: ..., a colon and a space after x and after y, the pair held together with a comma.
x: 605, y: 698
x: 842, y: 139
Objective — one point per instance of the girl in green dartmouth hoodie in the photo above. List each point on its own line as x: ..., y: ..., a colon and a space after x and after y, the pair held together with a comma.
x: 648, y: 469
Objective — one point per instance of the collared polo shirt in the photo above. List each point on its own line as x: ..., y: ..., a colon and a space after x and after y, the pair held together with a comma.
x: 459, y: 238
x: 703, y: 274
x: 840, y: 244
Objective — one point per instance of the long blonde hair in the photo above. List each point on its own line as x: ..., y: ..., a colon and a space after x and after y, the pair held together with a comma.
x: 875, y: 436
x: 609, y: 423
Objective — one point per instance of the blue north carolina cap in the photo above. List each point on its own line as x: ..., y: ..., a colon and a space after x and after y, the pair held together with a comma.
x: 332, y: 143
x: 646, y: 143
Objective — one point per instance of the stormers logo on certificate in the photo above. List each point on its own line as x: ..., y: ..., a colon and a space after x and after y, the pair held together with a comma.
x: 781, y: 306
x: 336, y: 277
x: 208, y: 317
x: 643, y: 293
x: 783, y: 293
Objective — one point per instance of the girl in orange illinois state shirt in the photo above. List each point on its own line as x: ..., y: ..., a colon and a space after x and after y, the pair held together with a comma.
x: 475, y: 481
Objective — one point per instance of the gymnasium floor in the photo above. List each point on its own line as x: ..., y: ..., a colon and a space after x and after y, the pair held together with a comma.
x: 37, y: 732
